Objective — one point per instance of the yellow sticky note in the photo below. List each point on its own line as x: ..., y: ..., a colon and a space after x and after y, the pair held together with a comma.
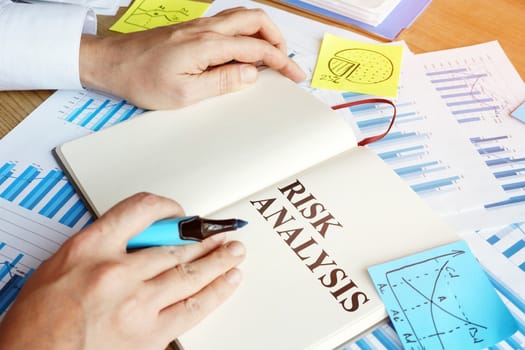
x: 148, y: 14
x: 348, y: 65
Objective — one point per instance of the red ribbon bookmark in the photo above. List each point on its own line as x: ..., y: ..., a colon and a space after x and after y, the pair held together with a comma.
x: 375, y: 138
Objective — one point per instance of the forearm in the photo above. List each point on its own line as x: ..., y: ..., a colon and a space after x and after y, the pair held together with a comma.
x: 39, y: 45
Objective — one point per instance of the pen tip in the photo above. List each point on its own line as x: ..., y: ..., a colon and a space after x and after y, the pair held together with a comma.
x: 241, y: 223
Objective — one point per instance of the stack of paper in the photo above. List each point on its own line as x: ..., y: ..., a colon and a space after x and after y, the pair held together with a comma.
x: 371, y: 12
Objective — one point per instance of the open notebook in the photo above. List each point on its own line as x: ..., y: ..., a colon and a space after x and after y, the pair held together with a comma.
x: 320, y: 209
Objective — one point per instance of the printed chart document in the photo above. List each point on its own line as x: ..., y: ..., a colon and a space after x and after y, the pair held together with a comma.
x: 480, y: 88
x: 320, y: 209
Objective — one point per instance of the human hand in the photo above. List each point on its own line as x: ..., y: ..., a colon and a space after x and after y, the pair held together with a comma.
x: 92, y: 294
x: 174, y: 66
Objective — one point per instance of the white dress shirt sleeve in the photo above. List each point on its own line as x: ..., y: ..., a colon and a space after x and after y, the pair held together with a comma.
x: 40, y: 43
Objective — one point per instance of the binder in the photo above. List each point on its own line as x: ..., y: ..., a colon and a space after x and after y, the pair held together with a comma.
x: 403, y: 15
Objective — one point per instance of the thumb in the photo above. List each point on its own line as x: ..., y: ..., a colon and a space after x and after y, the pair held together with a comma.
x: 228, y: 78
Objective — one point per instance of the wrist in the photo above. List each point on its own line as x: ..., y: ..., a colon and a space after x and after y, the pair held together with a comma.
x: 93, y: 62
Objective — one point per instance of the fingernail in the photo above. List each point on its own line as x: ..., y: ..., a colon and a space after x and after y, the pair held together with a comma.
x: 233, y: 276
x: 248, y: 74
x: 235, y: 248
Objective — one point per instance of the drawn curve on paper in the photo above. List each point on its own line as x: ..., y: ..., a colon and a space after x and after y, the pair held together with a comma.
x: 361, y: 66
x: 150, y: 17
x: 427, y: 287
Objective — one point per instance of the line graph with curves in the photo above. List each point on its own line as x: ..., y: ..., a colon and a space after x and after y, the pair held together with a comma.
x: 442, y: 299
x: 429, y: 292
x: 150, y: 14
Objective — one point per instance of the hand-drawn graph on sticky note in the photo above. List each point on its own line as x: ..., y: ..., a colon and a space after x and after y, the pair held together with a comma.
x: 348, y: 65
x: 442, y: 299
x: 361, y: 66
x: 148, y: 14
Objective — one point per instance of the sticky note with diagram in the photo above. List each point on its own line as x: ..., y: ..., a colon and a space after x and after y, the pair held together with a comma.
x: 349, y: 65
x: 442, y: 299
x: 148, y: 14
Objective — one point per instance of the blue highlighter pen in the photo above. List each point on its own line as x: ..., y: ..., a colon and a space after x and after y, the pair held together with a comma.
x: 183, y: 230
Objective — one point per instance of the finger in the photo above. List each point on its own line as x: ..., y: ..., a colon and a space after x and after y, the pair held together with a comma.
x: 250, y: 50
x: 179, y: 318
x: 131, y: 216
x: 151, y: 262
x: 225, y: 78
x: 187, y: 279
x: 249, y: 22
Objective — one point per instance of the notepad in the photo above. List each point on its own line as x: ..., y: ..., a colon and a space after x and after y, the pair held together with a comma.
x: 442, y: 299
x: 355, y: 66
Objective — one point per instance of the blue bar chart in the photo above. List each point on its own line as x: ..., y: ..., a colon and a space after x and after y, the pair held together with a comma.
x: 479, y: 99
x: 12, y: 277
x: 464, y: 94
x: 39, y: 207
x: 25, y: 242
x: 95, y: 111
x: 510, y: 242
x: 506, y: 164
x: 407, y: 147
x: 382, y: 337
x: 46, y: 192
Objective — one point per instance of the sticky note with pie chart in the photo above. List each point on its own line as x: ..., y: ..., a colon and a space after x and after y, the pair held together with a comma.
x: 349, y: 65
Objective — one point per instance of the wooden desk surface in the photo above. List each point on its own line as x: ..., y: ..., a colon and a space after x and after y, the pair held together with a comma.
x: 445, y: 24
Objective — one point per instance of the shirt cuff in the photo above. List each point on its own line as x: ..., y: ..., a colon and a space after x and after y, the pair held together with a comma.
x: 40, y: 44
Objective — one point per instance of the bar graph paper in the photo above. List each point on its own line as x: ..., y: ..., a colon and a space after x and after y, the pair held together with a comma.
x: 39, y: 207
x: 454, y: 142
x: 46, y: 192
x: 12, y: 275
x: 509, y: 241
x: 507, y: 165
x: 96, y: 111
x: 408, y: 147
x: 464, y: 94
x: 24, y: 244
x: 480, y: 92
